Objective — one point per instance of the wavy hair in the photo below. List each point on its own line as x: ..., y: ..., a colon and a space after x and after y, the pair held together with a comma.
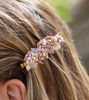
x: 22, y: 24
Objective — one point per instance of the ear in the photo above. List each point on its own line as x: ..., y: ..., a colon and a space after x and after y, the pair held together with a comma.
x: 13, y: 90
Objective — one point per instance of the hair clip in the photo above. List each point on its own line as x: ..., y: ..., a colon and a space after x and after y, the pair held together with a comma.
x: 45, y: 47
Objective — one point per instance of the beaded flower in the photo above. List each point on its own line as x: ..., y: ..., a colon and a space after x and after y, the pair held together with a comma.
x: 44, y: 47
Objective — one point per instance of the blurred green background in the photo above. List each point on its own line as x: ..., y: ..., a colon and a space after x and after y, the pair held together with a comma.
x: 76, y: 15
x: 61, y: 8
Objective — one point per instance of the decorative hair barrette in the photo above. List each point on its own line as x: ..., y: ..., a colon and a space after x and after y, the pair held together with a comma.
x: 44, y: 47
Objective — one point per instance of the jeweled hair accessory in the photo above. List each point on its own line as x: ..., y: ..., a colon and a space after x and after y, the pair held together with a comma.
x: 45, y: 47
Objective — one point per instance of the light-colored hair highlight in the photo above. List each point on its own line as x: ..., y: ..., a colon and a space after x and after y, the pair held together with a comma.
x: 22, y: 25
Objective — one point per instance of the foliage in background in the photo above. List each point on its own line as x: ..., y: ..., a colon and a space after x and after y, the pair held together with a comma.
x: 61, y: 8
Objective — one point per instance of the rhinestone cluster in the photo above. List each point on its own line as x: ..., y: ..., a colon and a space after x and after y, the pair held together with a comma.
x: 44, y: 47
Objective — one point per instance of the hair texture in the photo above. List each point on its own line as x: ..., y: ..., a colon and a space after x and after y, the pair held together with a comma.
x: 22, y: 25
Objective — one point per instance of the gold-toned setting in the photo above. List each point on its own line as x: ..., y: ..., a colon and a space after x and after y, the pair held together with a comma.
x: 33, y: 57
x: 23, y: 65
x: 40, y: 46
x: 51, y: 43
x: 39, y: 54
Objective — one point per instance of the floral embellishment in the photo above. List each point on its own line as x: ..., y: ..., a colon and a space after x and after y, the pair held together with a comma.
x: 60, y: 39
x: 45, y: 47
x: 42, y: 53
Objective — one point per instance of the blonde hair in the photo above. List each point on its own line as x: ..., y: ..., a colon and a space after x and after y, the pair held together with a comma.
x: 22, y: 25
